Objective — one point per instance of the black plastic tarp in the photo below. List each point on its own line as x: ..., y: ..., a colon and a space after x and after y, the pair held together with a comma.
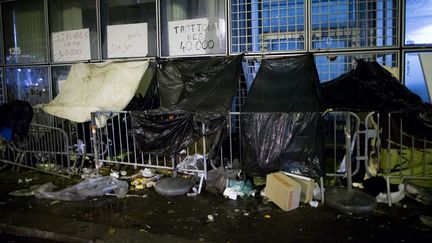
x: 289, y: 142
x: 193, y: 92
x: 281, y: 123
x: 199, y: 85
x: 369, y: 87
x: 289, y: 84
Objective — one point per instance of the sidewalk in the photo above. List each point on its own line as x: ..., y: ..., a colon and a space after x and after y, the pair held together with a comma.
x: 207, y: 217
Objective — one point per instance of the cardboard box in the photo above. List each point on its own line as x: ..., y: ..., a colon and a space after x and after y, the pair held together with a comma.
x: 307, y: 186
x: 283, y: 191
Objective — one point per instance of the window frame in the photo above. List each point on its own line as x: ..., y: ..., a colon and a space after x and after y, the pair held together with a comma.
x: 160, y: 33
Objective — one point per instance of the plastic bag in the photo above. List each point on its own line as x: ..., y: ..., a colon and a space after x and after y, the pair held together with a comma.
x: 88, y: 188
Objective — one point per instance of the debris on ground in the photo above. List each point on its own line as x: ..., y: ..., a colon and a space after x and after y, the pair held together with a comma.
x: 394, y: 196
x: 241, y: 188
x: 25, y: 192
x: 88, y: 188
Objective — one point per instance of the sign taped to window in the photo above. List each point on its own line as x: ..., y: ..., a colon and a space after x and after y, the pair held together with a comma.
x: 127, y: 40
x: 71, y: 45
x: 195, y: 36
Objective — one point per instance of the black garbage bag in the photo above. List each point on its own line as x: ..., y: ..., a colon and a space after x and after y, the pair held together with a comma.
x: 281, y: 119
x: 289, y: 142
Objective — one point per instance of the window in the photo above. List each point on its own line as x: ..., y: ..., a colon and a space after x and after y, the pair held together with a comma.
x: 418, y: 74
x: 24, y: 32
x: 73, y: 28
x: 333, y: 66
x: 193, y: 27
x: 128, y: 28
x: 340, y: 24
x: 267, y: 26
x: 27, y: 83
x: 418, y: 22
x: 59, y: 75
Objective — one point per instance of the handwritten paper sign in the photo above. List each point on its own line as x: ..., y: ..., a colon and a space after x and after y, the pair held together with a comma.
x: 72, y: 45
x: 194, y: 36
x: 127, y: 40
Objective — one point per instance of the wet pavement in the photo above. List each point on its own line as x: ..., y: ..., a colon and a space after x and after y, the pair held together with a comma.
x: 208, y: 217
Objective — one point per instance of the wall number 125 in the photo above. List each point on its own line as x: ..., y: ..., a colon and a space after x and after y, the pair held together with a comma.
x: 15, y: 50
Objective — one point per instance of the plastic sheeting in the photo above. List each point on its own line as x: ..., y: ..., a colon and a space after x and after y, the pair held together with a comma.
x: 199, y: 85
x: 193, y: 92
x: 282, y: 129
x: 168, y: 133
x: 289, y: 142
x: 369, y: 87
x: 289, y: 84
x: 95, y: 87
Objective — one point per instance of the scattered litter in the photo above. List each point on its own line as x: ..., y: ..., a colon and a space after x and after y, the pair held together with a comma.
x: 238, y: 188
x: 246, y: 214
x: 25, y: 192
x: 313, y: 204
x: 92, y: 187
x: 210, y: 218
x: 194, y: 192
x: 394, y: 196
x: 427, y: 220
x: 123, y: 172
x: 191, y: 162
x: 146, y: 225
x: 88, y: 173
x: 230, y: 193
x: 114, y: 174
x: 27, y: 180
x: 267, y: 216
x: 20, y: 181
x: 147, y: 172
x: 54, y: 202
x: 141, y: 183
x: 143, y: 230
x: 49, y: 167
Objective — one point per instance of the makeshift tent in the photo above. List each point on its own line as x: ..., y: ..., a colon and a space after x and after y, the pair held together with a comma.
x: 281, y: 119
x: 92, y: 87
x: 193, y: 92
x: 369, y: 87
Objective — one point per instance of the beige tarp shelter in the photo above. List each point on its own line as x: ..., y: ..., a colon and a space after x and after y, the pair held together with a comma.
x: 92, y: 87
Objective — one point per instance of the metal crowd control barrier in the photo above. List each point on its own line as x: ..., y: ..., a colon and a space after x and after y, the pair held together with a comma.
x: 335, y: 144
x: 399, y: 156
x: 53, y: 145
x: 114, y: 141
x: 44, y: 149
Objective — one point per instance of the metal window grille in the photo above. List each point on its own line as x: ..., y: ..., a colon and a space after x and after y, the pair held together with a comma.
x: 337, y: 24
x: 267, y: 26
x: 332, y: 66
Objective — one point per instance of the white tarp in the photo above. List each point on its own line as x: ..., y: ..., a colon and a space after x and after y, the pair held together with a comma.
x: 92, y: 87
